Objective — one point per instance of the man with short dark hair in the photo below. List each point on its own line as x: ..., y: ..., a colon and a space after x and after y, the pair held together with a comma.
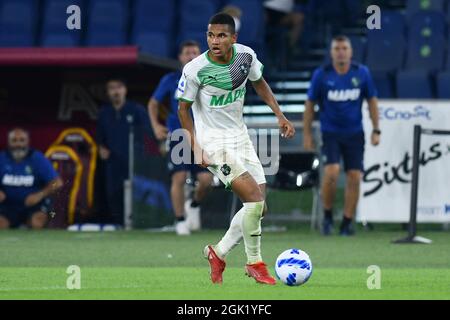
x: 214, y: 86
x: 27, y: 180
x: 114, y: 122
x: 187, y: 213
x: 339, y: 89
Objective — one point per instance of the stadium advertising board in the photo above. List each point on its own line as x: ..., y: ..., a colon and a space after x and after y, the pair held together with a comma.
x: 386, y: 186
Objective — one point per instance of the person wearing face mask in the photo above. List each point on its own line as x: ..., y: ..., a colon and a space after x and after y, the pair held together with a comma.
x: 27, y: 180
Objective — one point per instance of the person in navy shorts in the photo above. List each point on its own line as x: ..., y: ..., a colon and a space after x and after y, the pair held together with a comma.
x: 187, y: 213
x: 27, y: 180
x: 339, y: 89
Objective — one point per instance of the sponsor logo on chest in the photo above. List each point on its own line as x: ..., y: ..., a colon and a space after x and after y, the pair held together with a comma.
x: 344, y: 95
x: 224, y: 99
x: 13, y: 180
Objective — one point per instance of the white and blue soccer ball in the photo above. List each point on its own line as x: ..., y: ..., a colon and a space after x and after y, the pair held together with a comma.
x: 293, y: 267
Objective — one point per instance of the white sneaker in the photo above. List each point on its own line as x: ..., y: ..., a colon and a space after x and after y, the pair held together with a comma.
x: 192, y: 216
x: 182, y: 229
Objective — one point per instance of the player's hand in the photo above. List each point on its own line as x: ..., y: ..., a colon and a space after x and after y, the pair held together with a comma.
x: 33, y: 199
x: 308, y: 143
x: 286, y: 128
x: 2, y: 196
x: 104, y: 153
x: 375, y: 139
x: 160, y: 132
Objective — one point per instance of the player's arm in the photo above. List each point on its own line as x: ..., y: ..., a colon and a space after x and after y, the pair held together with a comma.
x: 370, y: 93
x: 159, y: 130
x: 374, y: 117
x: 50, y: 189
x: 308, y: 117
x: 266, y: 94
x: 187, y: 124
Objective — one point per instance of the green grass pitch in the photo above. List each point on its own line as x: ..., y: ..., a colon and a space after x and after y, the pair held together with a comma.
x: 144, y: 265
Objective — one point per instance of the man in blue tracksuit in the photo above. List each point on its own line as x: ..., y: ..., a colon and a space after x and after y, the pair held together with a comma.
x: 339, y: 89
x: 114, y: 122
x: 27, y: 180
x: 166, y: 90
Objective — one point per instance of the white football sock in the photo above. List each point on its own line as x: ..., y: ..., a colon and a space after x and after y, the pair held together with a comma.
x: 251, y: 230
x: 232, y: 237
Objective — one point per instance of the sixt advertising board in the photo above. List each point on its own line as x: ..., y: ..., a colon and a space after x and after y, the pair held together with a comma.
x: 386, y: 184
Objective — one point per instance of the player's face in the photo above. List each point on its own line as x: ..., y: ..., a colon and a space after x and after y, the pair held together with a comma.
x: 188, y: 54
x: 18, y: 144
x: 116, y: 91
x: 220, y: 39
x: 341, y: 52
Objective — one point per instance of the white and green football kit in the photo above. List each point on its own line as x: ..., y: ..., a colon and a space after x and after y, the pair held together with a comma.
x: 217, y: 92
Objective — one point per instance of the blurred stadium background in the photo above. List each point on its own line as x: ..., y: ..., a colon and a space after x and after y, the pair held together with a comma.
x: 53, y: 81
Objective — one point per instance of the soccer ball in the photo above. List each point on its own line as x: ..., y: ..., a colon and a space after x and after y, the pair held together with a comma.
x: 293, y: 267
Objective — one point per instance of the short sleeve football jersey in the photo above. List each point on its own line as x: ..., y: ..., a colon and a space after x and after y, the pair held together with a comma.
x: 217, y: 92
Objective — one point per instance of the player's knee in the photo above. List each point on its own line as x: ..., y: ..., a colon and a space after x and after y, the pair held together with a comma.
x: 256, y: 195
x: 204, y: 180
x: 4, y: 223
x: 353, y: 177
x: 38, y: 220
x: 330, y: 178
x: 178, y: 178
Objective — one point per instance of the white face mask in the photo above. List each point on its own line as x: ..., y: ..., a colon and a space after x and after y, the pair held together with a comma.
x: 237, y: 24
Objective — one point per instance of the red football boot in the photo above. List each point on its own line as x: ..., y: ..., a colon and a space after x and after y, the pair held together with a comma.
x: 259, y: 272
x: 216, y: 265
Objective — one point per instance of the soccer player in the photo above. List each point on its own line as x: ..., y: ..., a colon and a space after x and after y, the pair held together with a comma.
x: 339, y: 89
x: 27, y: 181
x: 213, y: 85
x: 178, y: 171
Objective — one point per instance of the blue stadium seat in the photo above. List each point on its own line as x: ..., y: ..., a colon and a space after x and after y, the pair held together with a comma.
x: 18, y: 23
x: 153, y: 16
x: 392, y: 22
x: 443, y: 85
x: 413, y: 84
x: 384, y: 85
x: 425, y: 53
x: 156, y: 43
x: 448, y: 56
x: 107, y: 23
x: 359, y: 48
x: 195, y: 14
x: 385, y: 53
x: 200, y: 37
x: 252, y: 22
x: 59, y: 40
x: 414, y: 6
x: 427, y: 24
x: 54, y: 30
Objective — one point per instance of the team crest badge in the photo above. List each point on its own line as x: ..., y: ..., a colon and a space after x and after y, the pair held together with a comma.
x: 28, y: 170
x: 244, y: 68
x: 355, y: 81
x: 225, y: 169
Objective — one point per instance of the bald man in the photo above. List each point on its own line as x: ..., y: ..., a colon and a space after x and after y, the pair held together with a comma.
x: 27, y: 179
